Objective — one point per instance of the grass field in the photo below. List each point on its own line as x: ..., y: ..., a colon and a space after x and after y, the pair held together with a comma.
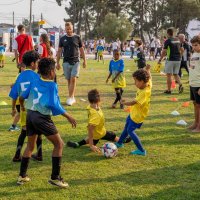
x: 171, y: 169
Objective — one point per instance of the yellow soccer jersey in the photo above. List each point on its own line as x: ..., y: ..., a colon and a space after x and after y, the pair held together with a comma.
x: 140, y: 110
x: 96, y: 118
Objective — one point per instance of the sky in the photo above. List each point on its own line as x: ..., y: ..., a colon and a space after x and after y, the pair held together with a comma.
x: 52, y: 13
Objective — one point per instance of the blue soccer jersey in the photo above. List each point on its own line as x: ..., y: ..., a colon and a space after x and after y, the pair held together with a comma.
x: 116, y: 66
x: 23, y: 82
x: 100, y: 48
x: 43, y: 96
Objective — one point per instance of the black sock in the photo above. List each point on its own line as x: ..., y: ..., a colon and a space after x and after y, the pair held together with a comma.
x: 82, y: 142
x: 13, y: 125
x: 118, y: 97
x: 20, y: 142
x: 24, y: 166
x: 39, y: 146
x: 56, y: 165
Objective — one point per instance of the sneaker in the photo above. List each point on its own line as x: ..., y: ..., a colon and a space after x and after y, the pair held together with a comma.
x: 14, y: 128
x: 180, y: 89
x: 21, y: 180
x: 167, y: 92
x: 71, y: 101
x: 138, y: 152
x: 58, y: 182
x: 36, y: 157
x: 72, y: 144
x: 17, y: 159
x: 119, y: 145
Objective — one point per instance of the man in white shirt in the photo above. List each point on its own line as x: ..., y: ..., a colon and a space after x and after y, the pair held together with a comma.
x: 132, y: 47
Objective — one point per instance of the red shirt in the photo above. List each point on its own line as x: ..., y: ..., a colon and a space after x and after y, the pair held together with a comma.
x: 45, y: 52
x: 25, y: 44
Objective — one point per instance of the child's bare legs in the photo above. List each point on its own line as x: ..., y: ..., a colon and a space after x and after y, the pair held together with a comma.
x: 16, y: 119
x: 194, y: 124
x: 3, y: 62
x: 197, y: 118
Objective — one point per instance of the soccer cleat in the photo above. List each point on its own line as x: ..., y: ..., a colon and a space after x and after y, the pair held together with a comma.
x: 21, y: 180
x: 72, y: 144
x: 17, y: 159
x: 59, y: 182
x: 113, y: 105
x: 36, y: 157
x: 180, y: 89
x: 167, y: 92
x: 121, y: 106
x: 138, y: 152
x: 12, y: 128
x: 119, y: 145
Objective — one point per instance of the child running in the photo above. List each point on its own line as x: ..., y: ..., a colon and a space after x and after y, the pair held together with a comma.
x: 43, y: 101
x: 2, y: 55
x: 100, y: 50
x: 139, y: 109
x: 24, y: 80
x: 96, y: 128
x: 116, y: 69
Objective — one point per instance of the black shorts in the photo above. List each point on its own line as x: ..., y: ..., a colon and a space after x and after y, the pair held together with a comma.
x: 194, y: 94
x: 110, y: 136
x: 38, y: 123
x: 152, y: 49
x: 17, y: 108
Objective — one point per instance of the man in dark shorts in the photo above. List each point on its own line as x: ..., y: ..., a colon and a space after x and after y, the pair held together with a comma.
x: 173, y: 50
x: 72, y: 46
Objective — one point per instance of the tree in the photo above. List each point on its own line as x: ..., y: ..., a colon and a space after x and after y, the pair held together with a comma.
x: 115, y: 27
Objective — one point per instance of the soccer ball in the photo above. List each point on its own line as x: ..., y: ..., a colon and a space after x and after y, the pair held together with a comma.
x: 109, y: 150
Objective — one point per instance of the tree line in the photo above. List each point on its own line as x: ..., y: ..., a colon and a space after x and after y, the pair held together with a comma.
x: 136, y: 16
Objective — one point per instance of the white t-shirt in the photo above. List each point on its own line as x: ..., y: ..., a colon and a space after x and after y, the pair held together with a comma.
x: 40, y: 49
x: 132, y: 43
x: 194, y: 70
x: 53, y: 51
x: 115, y: 45
x: 153, y: 44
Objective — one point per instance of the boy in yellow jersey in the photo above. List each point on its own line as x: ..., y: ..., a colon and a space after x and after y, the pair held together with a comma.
x: 96, y: 125
x: 139, y: 109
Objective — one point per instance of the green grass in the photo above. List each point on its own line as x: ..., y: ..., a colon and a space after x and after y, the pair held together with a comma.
x: 169, y: 171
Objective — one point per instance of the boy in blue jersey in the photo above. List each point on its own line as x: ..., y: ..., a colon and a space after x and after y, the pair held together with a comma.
x: 24, y: 80
x: 100, y: 50
x: 116, y: 71
x: 43, y: 101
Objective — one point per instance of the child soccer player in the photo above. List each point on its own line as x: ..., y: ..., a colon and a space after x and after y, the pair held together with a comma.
x: 194, y: 82
x: 16, y: 119
x: 96, y: 128
x: 2, y: 55
x: 139, y: 109
x: 100, y: 50
x: 116, y: 68
x: 43, y: 101
x: 141, y: 61
x: 24, y: 80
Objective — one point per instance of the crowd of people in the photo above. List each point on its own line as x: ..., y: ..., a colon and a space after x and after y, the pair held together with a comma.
x: 36, y: 83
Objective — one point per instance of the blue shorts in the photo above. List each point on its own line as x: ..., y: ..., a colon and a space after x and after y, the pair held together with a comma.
x: 71, y: 70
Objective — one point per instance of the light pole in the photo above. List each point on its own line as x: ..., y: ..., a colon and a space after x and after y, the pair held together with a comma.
x: 30, y: 20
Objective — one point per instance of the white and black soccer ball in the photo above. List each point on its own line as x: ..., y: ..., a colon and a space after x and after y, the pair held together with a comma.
x: 109, y: 150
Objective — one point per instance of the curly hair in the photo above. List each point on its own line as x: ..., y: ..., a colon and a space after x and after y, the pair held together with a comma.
x: 45, y: 66
x: 29, y: 57
x: 93, y: 96
x: 141, y: 75
x: 45, y: 40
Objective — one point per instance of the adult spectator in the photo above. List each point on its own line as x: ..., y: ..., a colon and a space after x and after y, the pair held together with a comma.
x: 172, y: 48
x: 72, y: 46
x: 152, y: 48
x: 158, y: 47
x: 21, y: 44
x: 115, y: 45
x: 186, y: 54
x: 44, y: 48
x: 132, y: 47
